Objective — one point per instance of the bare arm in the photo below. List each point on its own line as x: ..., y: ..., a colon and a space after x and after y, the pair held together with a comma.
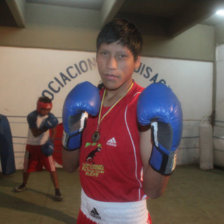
x: 70, y: 160
x: 154, y: 184
x: 53, y: 134
x: 36, y: 131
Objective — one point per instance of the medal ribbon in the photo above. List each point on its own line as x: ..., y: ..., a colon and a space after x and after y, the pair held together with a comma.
x: 101, y: 106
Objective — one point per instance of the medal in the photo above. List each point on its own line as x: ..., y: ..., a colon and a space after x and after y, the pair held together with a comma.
x: 96, y: 136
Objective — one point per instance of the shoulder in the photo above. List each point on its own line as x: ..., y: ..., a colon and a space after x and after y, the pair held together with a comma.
x: 32, y: 114
x: 32, y: 118
x: 137, y: 86
x: 135, y: 92
x: 132, y: 98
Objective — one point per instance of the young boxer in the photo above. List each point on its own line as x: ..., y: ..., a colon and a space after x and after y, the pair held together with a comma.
x: 120, y: 164
x: 39, y: 148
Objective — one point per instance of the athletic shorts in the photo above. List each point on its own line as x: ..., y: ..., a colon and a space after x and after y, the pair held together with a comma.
x: 35, y: 160
x: 99, y: 212
x: 82, y: 219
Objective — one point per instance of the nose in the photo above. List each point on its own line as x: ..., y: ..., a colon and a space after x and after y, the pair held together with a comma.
x: 112, y: 62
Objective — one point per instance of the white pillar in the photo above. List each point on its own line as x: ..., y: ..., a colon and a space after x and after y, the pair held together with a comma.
x: 206, y: 145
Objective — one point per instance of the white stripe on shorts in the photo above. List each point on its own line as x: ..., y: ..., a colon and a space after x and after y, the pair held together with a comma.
x: 114, y: 212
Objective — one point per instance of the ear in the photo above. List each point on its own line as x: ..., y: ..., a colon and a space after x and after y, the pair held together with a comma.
x: 137, y: 62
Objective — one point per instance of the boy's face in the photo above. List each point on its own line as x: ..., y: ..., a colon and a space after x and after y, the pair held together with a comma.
x: 116, y: 64
x: 44, y: 111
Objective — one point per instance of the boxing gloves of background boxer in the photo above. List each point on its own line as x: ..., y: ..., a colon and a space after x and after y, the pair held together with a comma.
x: 50, y: 122
x: 32, y: 119
x: 48, y: 148
x: 82, y: 100
x: 159, y: 106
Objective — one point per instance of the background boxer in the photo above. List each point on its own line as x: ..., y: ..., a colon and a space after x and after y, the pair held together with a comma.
x: 130, y: 165
x: 39, y: 148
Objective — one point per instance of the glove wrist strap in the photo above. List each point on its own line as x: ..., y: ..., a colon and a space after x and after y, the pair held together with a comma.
x: 71, y: 142
x: 161, y: 162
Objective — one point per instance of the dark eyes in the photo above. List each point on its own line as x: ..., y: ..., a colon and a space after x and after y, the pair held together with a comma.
x: 117, y: 56
x: 122, y: 56
x: 103, y: 53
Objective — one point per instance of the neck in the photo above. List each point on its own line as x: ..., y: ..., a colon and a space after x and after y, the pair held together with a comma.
x: 114, y: 95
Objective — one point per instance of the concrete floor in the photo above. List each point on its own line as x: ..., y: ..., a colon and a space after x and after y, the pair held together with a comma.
x: 193, y: 196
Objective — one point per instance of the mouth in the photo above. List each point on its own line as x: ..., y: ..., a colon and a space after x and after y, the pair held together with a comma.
x: 111, y: 77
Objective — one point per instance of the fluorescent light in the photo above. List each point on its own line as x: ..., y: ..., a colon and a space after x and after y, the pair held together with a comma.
x: 220, y: 12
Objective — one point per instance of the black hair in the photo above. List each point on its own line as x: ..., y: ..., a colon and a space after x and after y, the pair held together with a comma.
x: 123, y: 31
x: 44, y: 99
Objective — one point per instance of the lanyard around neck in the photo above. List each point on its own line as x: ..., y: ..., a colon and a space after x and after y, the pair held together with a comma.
x: 101, y: 106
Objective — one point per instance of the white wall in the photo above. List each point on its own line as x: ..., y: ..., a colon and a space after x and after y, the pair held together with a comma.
x: 26, y: 73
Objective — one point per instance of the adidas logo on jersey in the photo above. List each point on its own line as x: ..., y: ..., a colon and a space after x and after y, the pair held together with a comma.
x: 95, y: 213
x: 112, y: 142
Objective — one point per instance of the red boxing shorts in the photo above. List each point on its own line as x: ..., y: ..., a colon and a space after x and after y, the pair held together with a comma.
x: 35, y: 160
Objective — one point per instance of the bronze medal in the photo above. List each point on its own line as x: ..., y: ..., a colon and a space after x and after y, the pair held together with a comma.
x: 96, y: 136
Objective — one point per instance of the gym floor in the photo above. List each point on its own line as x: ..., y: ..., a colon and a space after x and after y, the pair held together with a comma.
x: 193, y: 196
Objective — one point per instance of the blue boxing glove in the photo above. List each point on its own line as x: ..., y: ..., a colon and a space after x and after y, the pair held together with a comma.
x: 32, y: 119
x: 82, y: 100
x: 50, y: 122
x: 48, y: 148
x: 159, y: 106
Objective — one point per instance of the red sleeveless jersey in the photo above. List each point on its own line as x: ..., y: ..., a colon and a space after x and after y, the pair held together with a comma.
x: 111, y: 169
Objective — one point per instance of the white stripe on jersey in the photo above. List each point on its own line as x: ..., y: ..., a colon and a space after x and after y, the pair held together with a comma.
x: 134, y: 151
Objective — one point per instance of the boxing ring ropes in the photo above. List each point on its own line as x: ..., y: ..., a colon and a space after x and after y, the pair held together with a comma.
x: 197, y: 139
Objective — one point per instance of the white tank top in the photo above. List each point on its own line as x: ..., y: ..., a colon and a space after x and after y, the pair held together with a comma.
x: 41, y: 139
